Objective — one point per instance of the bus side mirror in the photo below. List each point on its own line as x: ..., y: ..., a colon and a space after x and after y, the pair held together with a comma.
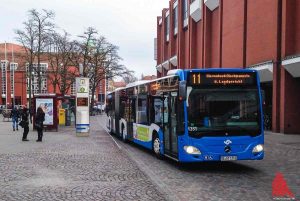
x: 182, y: 90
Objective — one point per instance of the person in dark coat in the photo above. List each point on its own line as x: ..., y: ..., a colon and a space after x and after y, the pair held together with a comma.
x: 39, y: 123
x: 25, y: 123
x: 15, y: 115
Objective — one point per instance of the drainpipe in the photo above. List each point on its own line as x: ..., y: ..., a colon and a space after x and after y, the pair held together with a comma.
x: 276, y: 88
x: 245, y: 34
x: 221, y: 31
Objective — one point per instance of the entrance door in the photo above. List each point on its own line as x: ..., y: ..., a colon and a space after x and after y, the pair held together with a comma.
x: 170, y: 124
x: 131, y: 118
x: 267, y: 93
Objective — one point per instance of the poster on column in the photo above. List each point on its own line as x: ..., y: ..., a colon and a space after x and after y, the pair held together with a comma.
x: 47, y: 106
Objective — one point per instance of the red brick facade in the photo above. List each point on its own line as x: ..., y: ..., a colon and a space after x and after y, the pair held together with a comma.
x: 263, y: 34
x: 15, y: 54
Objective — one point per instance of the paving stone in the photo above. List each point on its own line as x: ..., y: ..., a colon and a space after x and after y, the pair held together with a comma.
x: 65, y: 167
x: 242, y: 180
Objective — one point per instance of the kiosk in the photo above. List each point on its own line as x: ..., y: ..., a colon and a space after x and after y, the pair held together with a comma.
x: 48, y: 103
x: 82, y: 107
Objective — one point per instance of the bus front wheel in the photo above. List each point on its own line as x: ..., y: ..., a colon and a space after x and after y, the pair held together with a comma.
x: 156, y: 146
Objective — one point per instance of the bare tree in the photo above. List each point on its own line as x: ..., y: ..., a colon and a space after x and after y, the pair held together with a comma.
x: 99, y: 58
x: 43, y: 26
x: 33, y: 38
x: 104, y: 64
x: 84, y: 50
x: 129, y: 76
x: 27, y: 38
x: 61, y: 74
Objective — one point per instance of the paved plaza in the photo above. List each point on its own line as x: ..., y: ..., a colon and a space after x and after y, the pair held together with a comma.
x: 64, y: 167
x: 101, y: 167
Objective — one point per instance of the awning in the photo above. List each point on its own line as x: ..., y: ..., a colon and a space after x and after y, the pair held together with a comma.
x: 196, y: 10
x: 173, y: 61
x: 212, y: 4
x: 166, y: 64
x: 292, y: 65
x: 159, y: 68
x: 265, y: 71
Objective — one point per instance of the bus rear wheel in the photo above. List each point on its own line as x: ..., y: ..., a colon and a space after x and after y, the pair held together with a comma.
x: 156, y: 146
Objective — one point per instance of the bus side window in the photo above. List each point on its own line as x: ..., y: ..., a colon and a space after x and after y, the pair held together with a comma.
x: 133, y: 110
x: 158, y: 111
x: 142, y: 111
x: 122, y: 109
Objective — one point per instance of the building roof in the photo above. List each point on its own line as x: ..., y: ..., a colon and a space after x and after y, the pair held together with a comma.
x: 9, y: 48
x: 149, y: 77
x: 119, y: 84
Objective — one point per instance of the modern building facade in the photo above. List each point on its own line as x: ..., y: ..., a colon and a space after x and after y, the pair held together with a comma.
x: 264, y: 35
x: 15, y: 84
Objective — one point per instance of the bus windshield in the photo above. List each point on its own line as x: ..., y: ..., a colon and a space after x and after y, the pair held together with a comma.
x: 223, y: 111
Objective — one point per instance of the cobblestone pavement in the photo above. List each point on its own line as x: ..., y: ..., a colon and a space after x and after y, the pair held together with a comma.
x: 65, y: 167
x: 243, y: 180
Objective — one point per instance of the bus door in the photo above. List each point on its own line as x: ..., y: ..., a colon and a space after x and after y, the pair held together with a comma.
x: 170, y: 124
x: 131, y: 118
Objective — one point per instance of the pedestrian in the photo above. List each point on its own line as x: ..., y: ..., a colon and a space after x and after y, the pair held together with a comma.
x: 25, y: 123
x: 15, y: 115
x: 39, y: 123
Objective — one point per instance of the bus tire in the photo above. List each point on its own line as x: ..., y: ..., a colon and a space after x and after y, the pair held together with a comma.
x: 124, y: 139
x: 156, y: 145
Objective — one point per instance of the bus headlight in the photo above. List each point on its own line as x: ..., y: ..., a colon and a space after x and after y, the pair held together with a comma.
x: 191, y: 150
x: 258, y: 148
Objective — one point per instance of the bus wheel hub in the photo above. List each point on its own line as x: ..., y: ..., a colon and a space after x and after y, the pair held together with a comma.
x: 156, y: 145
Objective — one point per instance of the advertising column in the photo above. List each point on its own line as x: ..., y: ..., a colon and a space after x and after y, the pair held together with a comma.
x: 82, y: 107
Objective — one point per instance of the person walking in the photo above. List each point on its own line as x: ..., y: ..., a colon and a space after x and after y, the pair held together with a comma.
x: 15, y: 115
x: 39, y: 123
x: 25, y: 123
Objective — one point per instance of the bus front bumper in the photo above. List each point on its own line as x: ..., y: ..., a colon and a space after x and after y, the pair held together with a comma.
x: 217, y: 150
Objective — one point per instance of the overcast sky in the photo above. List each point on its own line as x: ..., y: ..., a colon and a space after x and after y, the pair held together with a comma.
x: 129, y: 24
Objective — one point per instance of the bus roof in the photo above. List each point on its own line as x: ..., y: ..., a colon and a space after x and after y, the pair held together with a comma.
x: 172, y: 73
x: 133, y: 84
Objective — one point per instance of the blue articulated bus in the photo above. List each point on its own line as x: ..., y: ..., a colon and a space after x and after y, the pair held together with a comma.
x: 192, y: 115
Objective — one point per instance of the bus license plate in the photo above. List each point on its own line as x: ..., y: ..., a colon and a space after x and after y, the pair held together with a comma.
x: 228, y: 158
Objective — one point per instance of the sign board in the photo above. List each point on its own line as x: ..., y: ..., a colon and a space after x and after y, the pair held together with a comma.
x: 47, y: 107
x: 82, y: 106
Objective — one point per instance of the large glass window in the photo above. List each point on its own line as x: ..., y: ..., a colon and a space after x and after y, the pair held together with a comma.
x: 167, y: 27
x: 3, y: 77
x: 73, y: 88
x: 34, y: 83
x: 223, y: 112
x: 175, y: 19
x: 185, y: 10
x: 13, y: 68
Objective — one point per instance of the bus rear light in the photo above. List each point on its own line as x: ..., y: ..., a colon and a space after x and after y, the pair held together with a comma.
x: 192, y: 150
x: 258, y: 148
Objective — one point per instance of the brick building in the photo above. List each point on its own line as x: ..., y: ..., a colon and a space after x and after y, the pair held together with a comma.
x: 14, y: 84
x: 264, y: 35
x: 149, y: 77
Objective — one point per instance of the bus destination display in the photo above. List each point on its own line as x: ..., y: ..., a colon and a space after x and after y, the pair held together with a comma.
x: 222, y: 78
